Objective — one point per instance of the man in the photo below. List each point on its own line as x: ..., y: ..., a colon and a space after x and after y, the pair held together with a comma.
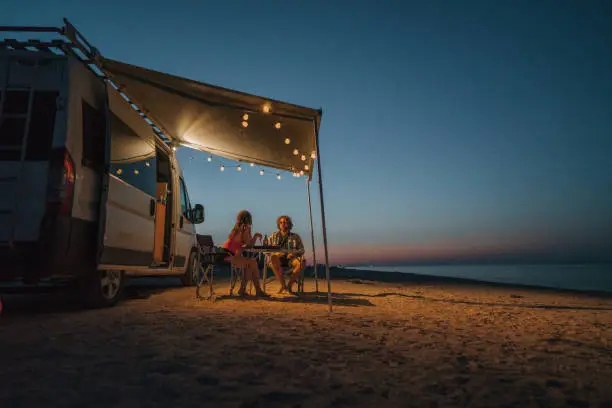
x: 287, y: 240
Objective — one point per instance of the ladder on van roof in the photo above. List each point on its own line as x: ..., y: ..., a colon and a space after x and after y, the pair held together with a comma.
x: 75, y: 45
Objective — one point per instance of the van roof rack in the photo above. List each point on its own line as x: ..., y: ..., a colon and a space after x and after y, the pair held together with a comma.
x: 75, y: 45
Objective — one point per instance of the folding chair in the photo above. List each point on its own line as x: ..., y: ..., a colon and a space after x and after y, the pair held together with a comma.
x: 236, y: 275
x: 208, y: 262
x: 287, y: 272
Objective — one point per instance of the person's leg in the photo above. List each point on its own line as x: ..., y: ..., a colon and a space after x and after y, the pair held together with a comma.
x: 275, y: 264
x: 239, y: 261
x: 253, y: 269
x: 298, y: 268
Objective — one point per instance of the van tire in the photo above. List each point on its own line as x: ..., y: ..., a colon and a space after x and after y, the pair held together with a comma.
x: 192, y: 273
x: 102, y: 288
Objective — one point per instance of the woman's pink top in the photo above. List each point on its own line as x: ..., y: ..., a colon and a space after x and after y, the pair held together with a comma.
x: 233, y: 244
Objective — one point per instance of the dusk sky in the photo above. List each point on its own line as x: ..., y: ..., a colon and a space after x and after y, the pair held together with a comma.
x: 450, y: 129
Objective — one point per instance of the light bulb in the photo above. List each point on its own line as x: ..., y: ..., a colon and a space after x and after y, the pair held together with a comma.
x: 245, y: 123
x: 261, y: 172
x: 301, y: 172
x: 239, y: 168
x: 306, y: 167
x: 266, y: 108
x: 245, y: 116
x: 209, y: 158
x: 278, y: 176
x: 313, y: 155
x: 174, y: 148
x: 136, y: 172
x: 303, y: 157
x: 296, y: 152
x: 222, y: 168
x: 119, y: 171
x: 277, y: 125
x: 287, y: 141
x: 252, y: 164
x: 149, y: 164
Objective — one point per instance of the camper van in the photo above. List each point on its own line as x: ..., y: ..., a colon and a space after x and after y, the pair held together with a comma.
x: 90, y: 194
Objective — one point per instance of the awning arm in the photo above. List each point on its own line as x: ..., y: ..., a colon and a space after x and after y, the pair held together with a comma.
x: 314, y: 253
x: 323, y: 225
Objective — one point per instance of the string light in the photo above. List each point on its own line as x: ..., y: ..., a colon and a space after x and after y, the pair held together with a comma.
x: 222, y: 168
x: 313, y: 155
x: 245, y: 123
x: 303, y: 157
x: 301, y: 172
x: 296, y: 152
x: 278, y: 176
x: 277, y: 125
x: 149, y: 164
x: 119, y: 171
x: 252, y: 164
x: 209, y: 158
x: 306, y: 167
x: 287, y: 141
x: 239, y: 168
x: 266, y: 108
x: 245, y: 116
x: 136, y: 172
x: 261, y: 172
x: 174, y: 148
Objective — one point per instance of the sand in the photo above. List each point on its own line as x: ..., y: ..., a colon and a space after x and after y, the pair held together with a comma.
x: 410, y: 344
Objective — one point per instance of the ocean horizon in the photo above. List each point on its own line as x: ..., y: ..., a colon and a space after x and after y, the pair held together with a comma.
x: 588, y: 277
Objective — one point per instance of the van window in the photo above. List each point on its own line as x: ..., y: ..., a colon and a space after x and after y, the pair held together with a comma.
x: 16, y: 102
x: 14, y: 115
x: 42, y: 125
x: 13, y: 119
x: 133, y: 157
x: 185, y: 203
x: 94, y: 136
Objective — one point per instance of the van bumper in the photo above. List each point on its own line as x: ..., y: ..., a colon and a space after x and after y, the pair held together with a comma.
x: 65, y: 249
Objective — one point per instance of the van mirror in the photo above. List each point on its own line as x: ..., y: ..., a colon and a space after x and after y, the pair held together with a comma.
x: 197, y: 214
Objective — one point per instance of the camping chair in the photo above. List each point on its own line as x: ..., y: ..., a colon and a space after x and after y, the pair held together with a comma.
x: 208, y: 262
x: 287, y: 272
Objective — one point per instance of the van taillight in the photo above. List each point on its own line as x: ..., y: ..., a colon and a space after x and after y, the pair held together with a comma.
x: 61, y: 183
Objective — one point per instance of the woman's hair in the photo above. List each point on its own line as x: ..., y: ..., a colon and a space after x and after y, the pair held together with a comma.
x: 288, y: 218
x: 243, y: 218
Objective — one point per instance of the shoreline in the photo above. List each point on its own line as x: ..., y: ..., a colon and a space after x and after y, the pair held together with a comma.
x: 337, y: 273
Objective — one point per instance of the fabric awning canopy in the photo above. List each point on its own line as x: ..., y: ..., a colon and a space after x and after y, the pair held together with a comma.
x: 210, y: 118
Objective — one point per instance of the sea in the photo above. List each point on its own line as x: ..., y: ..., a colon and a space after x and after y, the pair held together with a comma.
x: 577, y: 277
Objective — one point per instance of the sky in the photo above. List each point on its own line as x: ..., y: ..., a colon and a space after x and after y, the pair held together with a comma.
x: 451, y: 130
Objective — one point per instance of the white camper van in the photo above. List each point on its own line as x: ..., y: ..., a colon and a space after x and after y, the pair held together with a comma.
x: 89, y: 192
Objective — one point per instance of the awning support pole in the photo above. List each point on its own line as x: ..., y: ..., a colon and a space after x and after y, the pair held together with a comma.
x: 323, y: 226
x: 314, y: 254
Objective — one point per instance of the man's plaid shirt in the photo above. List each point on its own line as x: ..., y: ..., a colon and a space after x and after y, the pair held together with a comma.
x: 283, y: 241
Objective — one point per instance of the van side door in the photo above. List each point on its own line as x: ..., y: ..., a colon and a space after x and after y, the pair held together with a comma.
x: 185, y: 231
x: 129, y: 222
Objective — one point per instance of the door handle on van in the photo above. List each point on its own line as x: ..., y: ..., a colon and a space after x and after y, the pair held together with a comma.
x: 152, y: 207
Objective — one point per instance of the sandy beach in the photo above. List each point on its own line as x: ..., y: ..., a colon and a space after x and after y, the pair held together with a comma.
x: 418, y: 343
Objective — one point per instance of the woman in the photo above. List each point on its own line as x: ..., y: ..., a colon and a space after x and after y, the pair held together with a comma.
x: 239, y: 238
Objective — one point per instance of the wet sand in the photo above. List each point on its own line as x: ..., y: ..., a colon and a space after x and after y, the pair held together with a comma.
x: 416, y: 343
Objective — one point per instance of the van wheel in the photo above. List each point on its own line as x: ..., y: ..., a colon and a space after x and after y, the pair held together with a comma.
x: 103, y: 288
x: 192, y: 273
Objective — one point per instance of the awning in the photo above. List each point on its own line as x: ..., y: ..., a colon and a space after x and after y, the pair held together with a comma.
x: 221, y: 121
